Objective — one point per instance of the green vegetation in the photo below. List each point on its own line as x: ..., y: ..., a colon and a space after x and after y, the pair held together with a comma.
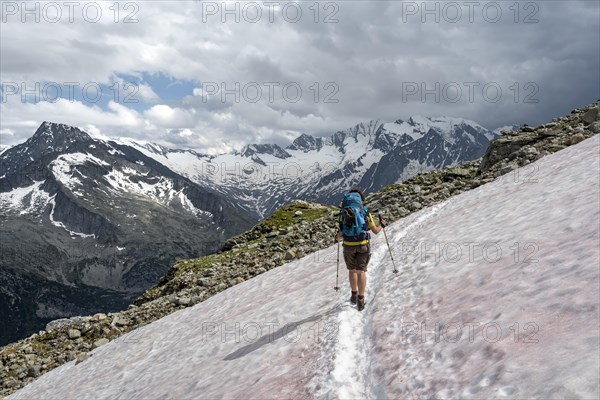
x: 285, y: 216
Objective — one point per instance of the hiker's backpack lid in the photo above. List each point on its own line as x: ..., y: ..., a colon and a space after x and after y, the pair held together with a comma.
x: 352, y: 199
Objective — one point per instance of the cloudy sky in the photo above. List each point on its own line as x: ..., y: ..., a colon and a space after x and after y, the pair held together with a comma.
x: 214, y: 76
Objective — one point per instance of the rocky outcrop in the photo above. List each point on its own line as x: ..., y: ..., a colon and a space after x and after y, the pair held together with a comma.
x: 293, y: 231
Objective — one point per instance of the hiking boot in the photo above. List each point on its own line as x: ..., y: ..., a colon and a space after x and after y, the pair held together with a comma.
x: 360, y: 304
x: 353, y: 297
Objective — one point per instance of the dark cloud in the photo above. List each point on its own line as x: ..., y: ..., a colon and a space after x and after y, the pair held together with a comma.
x: 545, y: 60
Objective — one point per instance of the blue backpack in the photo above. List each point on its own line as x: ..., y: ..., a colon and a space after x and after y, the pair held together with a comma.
x: 353, y: 218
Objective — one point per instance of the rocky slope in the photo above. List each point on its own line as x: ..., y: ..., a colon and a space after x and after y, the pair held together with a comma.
x: 296, y: 230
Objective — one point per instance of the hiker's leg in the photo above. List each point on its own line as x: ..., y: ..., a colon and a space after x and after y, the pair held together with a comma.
x: 362, y: 261
x: 352, y: 274
x: 350, y: 259
x: 362, y: 282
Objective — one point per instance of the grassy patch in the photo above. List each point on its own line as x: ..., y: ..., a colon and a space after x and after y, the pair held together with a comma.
x: 201, y: 263
x: 285, y: 216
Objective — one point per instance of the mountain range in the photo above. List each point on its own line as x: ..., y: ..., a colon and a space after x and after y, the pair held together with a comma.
x: 261, y: 177
x: 87, y: 223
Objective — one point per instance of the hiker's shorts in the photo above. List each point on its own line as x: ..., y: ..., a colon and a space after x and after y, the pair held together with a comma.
x: 357, y: 257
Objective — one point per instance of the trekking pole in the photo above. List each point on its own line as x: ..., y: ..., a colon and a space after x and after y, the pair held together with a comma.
x: 388, y: 243
x: 337, y: 272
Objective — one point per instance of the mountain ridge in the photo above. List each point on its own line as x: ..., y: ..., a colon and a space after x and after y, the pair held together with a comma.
x: 262, y: 177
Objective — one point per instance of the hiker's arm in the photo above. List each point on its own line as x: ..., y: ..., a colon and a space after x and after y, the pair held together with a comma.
x: 338, y: 236
x: 375, y: 229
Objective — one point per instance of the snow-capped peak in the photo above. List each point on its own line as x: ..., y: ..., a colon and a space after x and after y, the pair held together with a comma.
x: 258, y: 149
x: 55, y: 136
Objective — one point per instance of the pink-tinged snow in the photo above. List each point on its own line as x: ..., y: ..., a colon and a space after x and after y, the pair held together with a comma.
x: 538, y: 309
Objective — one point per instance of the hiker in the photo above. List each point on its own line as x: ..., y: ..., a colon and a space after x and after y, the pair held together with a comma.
x: 354, y: 225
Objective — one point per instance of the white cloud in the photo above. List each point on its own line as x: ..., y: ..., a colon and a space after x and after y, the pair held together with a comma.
x: 370, y: 54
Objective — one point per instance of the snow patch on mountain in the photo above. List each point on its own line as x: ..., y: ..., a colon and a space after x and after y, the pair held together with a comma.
x: 26, y: 200
x: 62, y: 225
x: 159, y: 190
x: 64, y: 168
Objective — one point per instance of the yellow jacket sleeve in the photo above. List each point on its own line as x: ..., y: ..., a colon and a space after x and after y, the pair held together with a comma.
x: 370, y: 221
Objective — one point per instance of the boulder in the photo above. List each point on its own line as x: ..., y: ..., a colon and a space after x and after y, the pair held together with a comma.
x: 120, y: 321
x: 100, y: 342
x: 290, y: 254
x: 594, y: 127
x: 184, y: 301
x: 591, y: 115
x: 81, y: 357
x: 74, y: 333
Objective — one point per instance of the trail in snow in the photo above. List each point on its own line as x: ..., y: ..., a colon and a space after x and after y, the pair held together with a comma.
x: 348, y: 375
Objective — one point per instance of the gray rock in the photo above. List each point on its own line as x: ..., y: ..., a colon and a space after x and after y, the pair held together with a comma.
x: 57, y: 323
x: 172, y: 299
x: 100, y: 342
x: 30, y: 359
x: 120, y: 321
x: 415, y: 205
x: 290, y: 254
x: 74, y: 333
x: 549, y: 133
x: 196, y: 299
x: 527, y: 128
x: 594, y: 127
x: 184, y: 301
x: 86, y: 328
x: 207, y: 282
x: 34, y: 371
x: 298, y: 213
x: 506, y: 168
x: 576, y: 138
x: 10, y: 383
x: 81, y: 357
x: 79, y: 320
x: 591, y: 115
